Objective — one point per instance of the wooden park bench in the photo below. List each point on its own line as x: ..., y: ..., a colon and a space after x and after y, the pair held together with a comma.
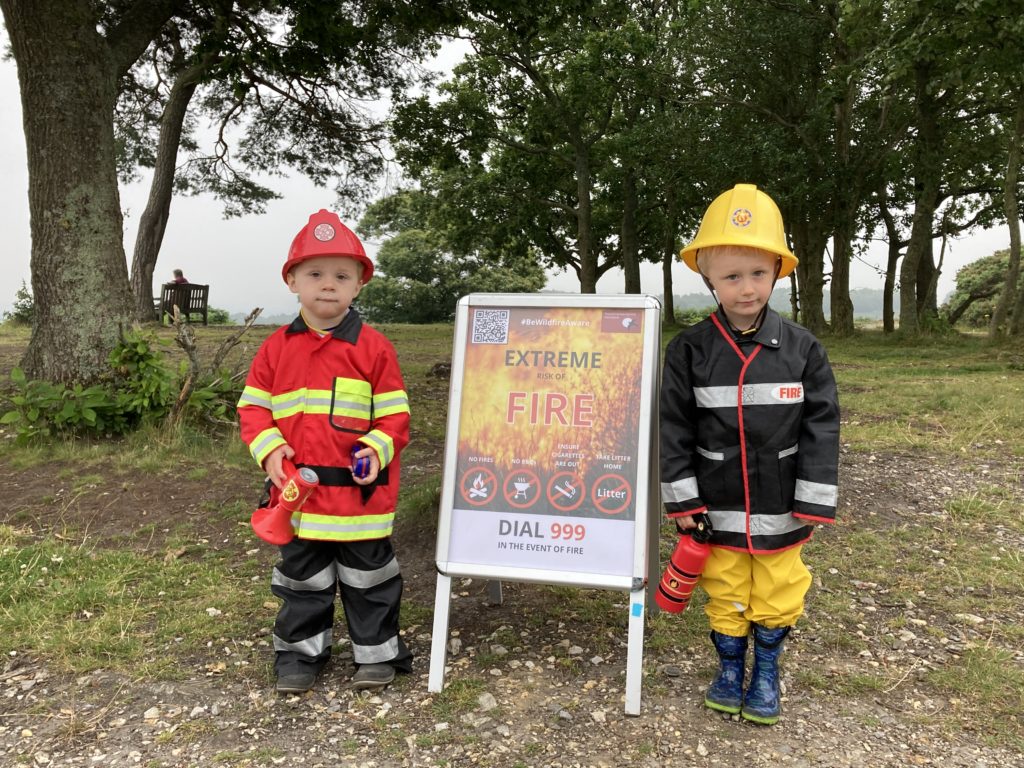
x: 190, y: 298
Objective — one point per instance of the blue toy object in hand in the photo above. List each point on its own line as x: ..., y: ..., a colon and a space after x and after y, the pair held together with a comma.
x: 361, y: 464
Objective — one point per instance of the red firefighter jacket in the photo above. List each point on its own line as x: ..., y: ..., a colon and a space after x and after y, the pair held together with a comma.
x: 750, y: 433
x: 321, y: 394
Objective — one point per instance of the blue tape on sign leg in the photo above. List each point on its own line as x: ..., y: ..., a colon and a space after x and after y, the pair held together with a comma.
x: 638, y: 609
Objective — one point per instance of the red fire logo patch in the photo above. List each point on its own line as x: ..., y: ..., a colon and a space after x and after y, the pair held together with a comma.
x: 323, y: 232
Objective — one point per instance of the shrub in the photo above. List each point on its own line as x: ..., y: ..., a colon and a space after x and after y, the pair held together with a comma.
x: 24, y: 309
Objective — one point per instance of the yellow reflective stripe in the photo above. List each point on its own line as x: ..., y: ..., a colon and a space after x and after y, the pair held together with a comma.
x: 315, y: 401
x: 334, y: 528
x: 388, y: 403
x: 264, y: 443
x: 253, y: 396
x: 352, y: 398
x: 357, y: 387
x: 382, y: 443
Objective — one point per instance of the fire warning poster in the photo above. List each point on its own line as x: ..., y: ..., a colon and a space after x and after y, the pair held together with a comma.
x: 548, y: 444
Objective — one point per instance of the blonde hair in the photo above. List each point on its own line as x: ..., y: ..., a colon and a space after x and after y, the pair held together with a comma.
x: 706, y: 254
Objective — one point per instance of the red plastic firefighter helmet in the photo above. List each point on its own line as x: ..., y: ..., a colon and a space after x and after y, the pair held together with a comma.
x: 325, y: 235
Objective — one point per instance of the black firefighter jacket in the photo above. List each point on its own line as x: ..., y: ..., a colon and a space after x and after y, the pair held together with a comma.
x: 750, y: 433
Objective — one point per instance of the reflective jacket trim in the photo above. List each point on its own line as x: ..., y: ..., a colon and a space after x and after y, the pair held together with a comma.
x: 353, y: 399
x: 773, y: 393
x: 387, y: 403
x: 816, y: 493
x: 312, y: 401
x: 683, y: 489
x: 711, y: 455
x: 382, y: 443
x: 337, y: 528
x: 788, y: 451
x: 735, y: 521
x: 254, y: 396
x: 265, y: 442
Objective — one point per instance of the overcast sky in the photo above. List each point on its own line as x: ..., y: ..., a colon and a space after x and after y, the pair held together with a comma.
x: 241, y: 258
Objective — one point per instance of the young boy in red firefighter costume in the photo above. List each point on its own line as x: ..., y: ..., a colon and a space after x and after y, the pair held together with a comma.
x: 749, y: 436
x: 318, y: 388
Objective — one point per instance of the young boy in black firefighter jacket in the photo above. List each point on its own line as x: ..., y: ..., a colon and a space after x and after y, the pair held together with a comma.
x: 749, y: 436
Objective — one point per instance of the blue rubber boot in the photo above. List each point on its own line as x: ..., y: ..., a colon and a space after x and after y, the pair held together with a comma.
x: 762, y: 701
x: 726, y: 691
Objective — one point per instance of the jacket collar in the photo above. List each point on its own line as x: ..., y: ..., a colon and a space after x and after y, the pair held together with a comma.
x: 347, y: 330
x: 768, y: 335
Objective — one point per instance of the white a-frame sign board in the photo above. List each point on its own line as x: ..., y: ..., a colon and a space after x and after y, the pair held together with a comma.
x: 550, y: 454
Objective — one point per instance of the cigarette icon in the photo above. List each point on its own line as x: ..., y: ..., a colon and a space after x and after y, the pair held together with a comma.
x: 569, y: 491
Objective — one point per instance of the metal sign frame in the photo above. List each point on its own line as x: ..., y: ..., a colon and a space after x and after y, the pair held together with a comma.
x: 642, y: 570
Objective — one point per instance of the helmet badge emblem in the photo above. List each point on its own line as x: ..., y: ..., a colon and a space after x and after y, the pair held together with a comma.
x: 741, y: 217
x: 323, y: 232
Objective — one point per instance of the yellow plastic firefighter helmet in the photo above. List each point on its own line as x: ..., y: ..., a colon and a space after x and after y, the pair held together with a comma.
x: 743, y: 215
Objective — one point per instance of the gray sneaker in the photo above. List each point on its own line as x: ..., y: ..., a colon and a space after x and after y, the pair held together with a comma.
x: 295, y: 682
x: 373, y: 676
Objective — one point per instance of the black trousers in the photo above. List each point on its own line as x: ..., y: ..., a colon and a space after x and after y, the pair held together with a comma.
x: 368, y: 577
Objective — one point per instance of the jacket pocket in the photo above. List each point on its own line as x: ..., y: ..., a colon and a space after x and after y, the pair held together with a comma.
x: 718, y: 478
x: 351, y: 405
x: 777, y: 470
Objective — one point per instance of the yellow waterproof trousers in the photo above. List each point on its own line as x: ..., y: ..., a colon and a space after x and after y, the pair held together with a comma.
x: 745, y: 589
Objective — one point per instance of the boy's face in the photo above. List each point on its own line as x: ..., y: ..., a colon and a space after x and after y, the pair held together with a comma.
x: 743, y: 282
x: 326, y: 287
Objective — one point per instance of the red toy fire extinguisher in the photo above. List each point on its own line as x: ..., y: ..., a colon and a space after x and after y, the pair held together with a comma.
x: 684, y: 568
x: 274, y: 524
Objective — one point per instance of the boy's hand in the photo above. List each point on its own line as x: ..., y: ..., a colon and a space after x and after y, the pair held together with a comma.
x: 371, y: 454
x: 685, y: 523
x: 272, y: 464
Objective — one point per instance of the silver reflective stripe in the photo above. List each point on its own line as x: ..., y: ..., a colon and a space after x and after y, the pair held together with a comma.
x: 679, y: 490
x: 352, y: 405
x: 273, y: 437
x: 715, y: 397
x: 311, y: 646
x: 713, y: 455
x: 366, y: 579
x: 375, y: 654
x: 760, y: 525
x: 382, y: 447
x: 305, y: 525
x: 252, y: 399
x: 778, y: 393
x: 324, y: 579
x: 789, y: 451
x: 381, y: 404
x: 816, y: 493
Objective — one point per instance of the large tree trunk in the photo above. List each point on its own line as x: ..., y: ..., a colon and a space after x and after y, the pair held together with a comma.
x: 153, y: 222
x: 668, y: 249
x: 927, y: 173
x: 895, y: 251
x: 841, y: 304
x: 584, y: 234
x: 809, y: 246
x: 68, y: 74
x: 1012, y: 211
x: 630, y: 242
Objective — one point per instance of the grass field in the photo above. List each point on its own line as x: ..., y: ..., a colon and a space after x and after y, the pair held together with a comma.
x: 917, y: 594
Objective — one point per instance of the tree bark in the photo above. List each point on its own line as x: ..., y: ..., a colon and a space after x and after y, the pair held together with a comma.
x: 895, y: 251
x: 927, y: 171
x: 841, y: 304
x: 668, y: 249
x: 153, y: 222
x: 584, y: 226
x: 630, y: 242
x: 68, y: 73
x: 809, y: 245
x: 1012, y: 211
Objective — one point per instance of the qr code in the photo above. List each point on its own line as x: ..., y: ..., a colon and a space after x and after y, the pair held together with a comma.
x: 490, y: 326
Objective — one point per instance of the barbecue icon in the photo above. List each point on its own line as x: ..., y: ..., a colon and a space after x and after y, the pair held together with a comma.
x: 521, y: 489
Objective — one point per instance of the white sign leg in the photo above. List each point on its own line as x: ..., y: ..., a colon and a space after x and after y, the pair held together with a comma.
x: 439, y: 636
x: 635, y: 652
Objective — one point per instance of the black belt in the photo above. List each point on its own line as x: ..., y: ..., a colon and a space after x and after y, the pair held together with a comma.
x: 342, y: 476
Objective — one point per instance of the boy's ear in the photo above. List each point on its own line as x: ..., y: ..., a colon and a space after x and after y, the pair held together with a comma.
x: 290, y: 277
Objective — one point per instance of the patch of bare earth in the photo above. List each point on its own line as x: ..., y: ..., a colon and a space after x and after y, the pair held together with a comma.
x: 542, y: 693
